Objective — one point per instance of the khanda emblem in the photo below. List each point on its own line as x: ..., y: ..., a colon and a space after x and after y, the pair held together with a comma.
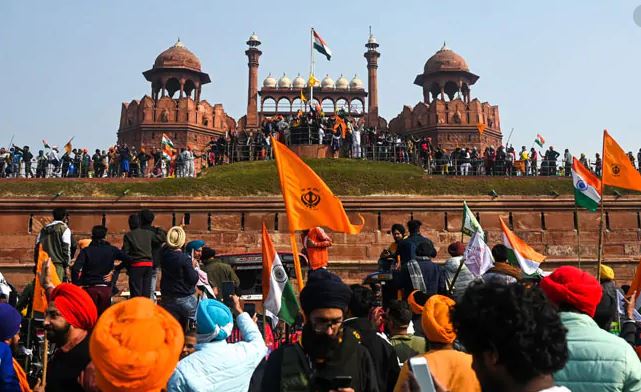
x: 616, y: 170
x: 310, y: 197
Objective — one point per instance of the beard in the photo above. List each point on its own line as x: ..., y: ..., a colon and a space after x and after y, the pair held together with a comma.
x: 319, y: 346
x: 58, y: 335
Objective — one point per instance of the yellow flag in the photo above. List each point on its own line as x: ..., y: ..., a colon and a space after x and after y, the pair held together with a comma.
x: 617, y: 169
x: 312, y: 80
x: 39, y: 295
x: 302, y: 96
x: 308, y: 200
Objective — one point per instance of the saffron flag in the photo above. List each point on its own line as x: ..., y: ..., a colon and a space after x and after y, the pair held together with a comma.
x: 68, y: 146
x: 167, y: 147
x: 340, y: 123
x: 478, y: 256
x: 321, y: 46
x: 470, y: 224
x: 302, y: 96
x: 519, y: 252
x: 312, y: 81
x: 617, y: 169
x: 308, y: 200
x: 587, y: 186
x: 39, y: 295
x: 539, y: 140
x: 279, y: 299
x: 481, y: 128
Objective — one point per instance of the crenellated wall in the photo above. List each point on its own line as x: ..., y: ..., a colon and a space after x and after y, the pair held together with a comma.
x: 232, y: 225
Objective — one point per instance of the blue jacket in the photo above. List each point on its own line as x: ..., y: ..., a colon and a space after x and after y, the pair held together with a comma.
x: 220, y: 366
x: 599, y: 360
x: 8, y: 378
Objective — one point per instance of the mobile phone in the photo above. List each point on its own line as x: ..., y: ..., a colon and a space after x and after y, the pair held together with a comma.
x: 228, y: 290
x: 421, y: 372
x: 339, y: 382
x: 249, y: 308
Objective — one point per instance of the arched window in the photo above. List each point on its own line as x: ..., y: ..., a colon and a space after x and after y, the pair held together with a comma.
x: 172, y: 86
x: 356, y: 107
x: 283, y: 106
x: 328, y: 105
x: 342, y: 104
x: 297, y: 105
x: 268, y: 105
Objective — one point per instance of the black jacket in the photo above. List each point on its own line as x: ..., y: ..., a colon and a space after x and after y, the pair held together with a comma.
x: 432, y: 276
x: 141, y: 243
x: 94, y: 262
x: 407, y: 247
x: 288, y: 368
x: 383, y: 354
x: 179, y: 277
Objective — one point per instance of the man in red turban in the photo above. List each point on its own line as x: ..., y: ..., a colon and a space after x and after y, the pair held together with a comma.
x: 69, y: 319
x: 598, y: 360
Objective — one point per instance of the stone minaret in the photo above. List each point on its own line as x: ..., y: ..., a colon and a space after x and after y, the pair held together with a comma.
x: 253, y: 54
x: 372, y: 56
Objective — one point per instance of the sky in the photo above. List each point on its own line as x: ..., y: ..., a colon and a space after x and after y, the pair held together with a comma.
x: 564, y: 69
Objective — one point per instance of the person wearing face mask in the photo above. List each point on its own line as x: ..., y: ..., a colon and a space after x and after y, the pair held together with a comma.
x: 329, y: 355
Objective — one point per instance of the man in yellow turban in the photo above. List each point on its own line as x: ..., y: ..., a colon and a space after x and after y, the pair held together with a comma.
x: 135, y: 346
x: 451, y: 368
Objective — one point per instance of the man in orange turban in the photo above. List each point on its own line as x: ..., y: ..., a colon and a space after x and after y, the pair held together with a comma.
x: 70, y: 316
x: 449, y: 367
x: 135, y: 346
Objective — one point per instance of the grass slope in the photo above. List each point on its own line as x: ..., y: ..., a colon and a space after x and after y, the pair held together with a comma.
x: 345, y: 177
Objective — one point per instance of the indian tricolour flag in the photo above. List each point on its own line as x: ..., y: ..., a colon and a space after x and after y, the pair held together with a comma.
x: 587, y: 186
x: 279, y: 299
x: 167, y: 147
x: 519, y: 252
x: 539, y: 140
x: 321, y: 46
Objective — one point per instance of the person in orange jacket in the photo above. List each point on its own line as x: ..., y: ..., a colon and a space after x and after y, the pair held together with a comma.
x: 316, y: 242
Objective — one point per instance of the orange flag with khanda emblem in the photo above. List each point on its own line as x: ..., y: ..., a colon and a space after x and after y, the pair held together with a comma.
x: 308, y: 200
x: 618, y: 171
x: 39, y: 295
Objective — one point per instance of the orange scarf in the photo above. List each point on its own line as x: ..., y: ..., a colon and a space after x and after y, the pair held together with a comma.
x: 22, y: 377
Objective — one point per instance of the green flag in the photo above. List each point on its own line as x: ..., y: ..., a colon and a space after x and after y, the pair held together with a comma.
x: 470, y: 223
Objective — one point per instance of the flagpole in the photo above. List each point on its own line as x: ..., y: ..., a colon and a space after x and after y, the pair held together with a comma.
x: 297, y: 269
x: 458, y: 271
x: 578, y: 234
x: 601, y: 223
x: 311, y: 67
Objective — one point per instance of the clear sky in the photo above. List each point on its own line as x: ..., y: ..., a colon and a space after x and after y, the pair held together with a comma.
x: 565, y: 69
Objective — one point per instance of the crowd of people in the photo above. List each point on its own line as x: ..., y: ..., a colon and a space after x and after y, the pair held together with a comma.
x: 498, y: 331
x: 344, y: 135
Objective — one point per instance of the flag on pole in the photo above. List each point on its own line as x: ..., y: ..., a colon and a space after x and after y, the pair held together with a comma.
x: 519, y: 252
x: 167, y: 147
x: 618, y: 171
x: 302, y: 96
x: 321, y: 46
x: 68, y: 146
x: 481, y: 128
x: 45, y: 144
x: 470, y: 224
x: 587, y: 186
x: 636, y: 286
x: 39, y: 294
x: 308, y: 200
x: 539, y: 140
x: 279, y: 298
x: 478, y: 256
x: 312, y: 81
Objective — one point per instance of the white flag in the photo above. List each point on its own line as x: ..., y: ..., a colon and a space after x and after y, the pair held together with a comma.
x: 478, y: 256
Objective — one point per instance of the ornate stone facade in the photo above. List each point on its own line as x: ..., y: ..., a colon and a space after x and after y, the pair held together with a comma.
x: 448, y: 114
x: 283, y: 96
x: 186, y: 119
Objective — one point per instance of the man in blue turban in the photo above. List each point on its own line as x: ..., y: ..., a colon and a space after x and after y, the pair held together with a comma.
x: 218, y: 365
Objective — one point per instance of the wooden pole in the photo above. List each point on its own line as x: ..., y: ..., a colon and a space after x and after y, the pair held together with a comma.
x: 601, y: 238
x: 45, y: 360
x: 297, y: 269
x: 458, y: 271
x: 578, y: 235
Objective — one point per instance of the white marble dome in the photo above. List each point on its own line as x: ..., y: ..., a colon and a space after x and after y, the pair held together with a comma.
x: 327, y: 82
x: 269, y: 82
x: 284, y: 82
x: 299, y: 82
x: 342, y: 83
x: 356, y: 83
